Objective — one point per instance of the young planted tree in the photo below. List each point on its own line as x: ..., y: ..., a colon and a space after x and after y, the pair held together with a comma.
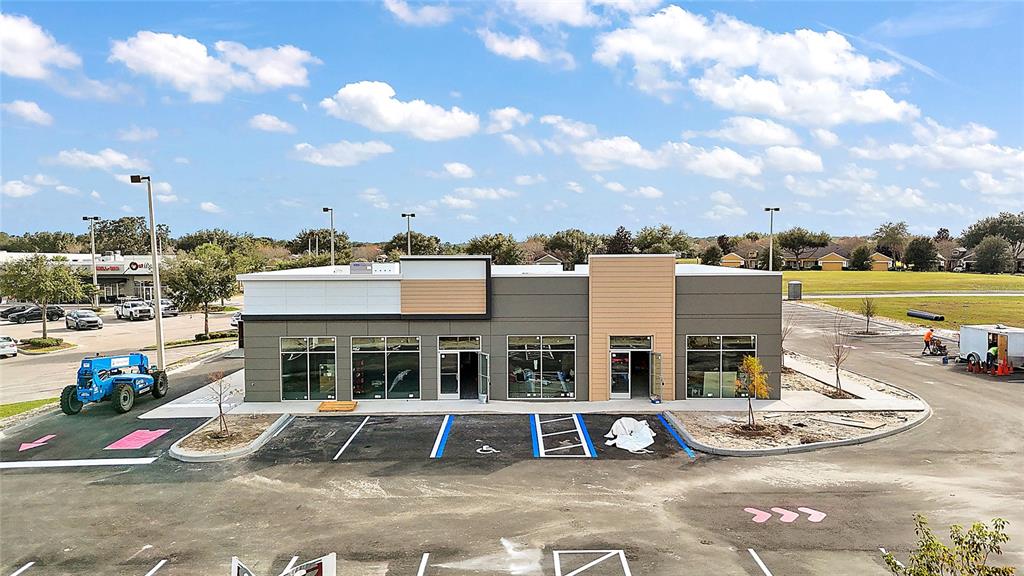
x: 195, y: 279
x: 788, y: 323
x: 869, y: 310
x: 837, y: 344
x: 219, y: 387
x: 754, y: 382
x: 968, y: 556
x: 42, y: 281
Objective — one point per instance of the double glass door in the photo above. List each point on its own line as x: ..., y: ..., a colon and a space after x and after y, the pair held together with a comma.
x: 460, y: 365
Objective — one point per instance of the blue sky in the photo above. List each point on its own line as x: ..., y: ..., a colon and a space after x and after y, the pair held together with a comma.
x: 512, y: 116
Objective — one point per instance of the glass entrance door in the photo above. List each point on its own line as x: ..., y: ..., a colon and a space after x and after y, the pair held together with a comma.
x: 449, y: 370
x: 620, y: 371
x: 484, y: 377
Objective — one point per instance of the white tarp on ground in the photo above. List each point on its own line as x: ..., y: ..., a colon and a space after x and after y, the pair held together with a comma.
x: 631, y: 434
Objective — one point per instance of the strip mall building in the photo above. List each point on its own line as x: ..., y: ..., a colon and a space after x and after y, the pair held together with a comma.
x: 458, y: 327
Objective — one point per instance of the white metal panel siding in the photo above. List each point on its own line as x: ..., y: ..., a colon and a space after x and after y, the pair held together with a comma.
x: 443, y: 269
x: 323, y: 297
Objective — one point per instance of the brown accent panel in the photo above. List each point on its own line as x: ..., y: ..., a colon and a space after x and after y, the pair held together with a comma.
x: 632, y: 296
x: 444, y: 296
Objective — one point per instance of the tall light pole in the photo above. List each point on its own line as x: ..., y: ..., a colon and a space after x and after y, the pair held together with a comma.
x: 137, y: 179
x: 408, y: 232
x: 771, y: 236
x: 92, y: 243
x: 331, y: 210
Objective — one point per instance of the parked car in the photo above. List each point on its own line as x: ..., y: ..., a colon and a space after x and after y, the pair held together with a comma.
x: 134, y: 310
x: 14, y: 309
x: 236, y: 318
x: 80, y: 319
x: 8, y: 346
x: 36, y: 313
x: 167, y: 307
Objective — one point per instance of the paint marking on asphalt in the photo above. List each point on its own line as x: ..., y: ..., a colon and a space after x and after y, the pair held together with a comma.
x: 22, y: 569
x: 621, y: 555
x: 442, y: 436
x: 533, y: 435
x: 679, y: 440
x: 423, y: 564
x: 137, y: 439
x: 585, y: 435
x: 898, y: 563
x: 279, y: 430
x: 291, y: 564
x: 76, y: 463
x: 157, y: 567
x: 350, y: 438
x: 760, y: 564
x: 36, y: 443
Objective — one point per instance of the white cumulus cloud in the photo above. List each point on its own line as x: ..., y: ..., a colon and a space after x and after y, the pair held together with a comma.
x: 376, y: 198
x: 270, y: 123
x: 341, y: 154
x: 647, y: 192
x: 530, y: 179
x: 505, y: 119
x: 29, y: 112
x: 524, y: 47
x: 373, y: 105
x: 18, y: 189
x: 137, y: 134
x: 458, y: 170
x: 28, y: 51
x: 793, y: 159
x: 106, y: 159
x: 422, y: 15
x: 210, y: 207
x: 826, y: 138
x: 568, y: 127
x: 755, y: 132
x: 723, y: 206
x: 524, y: 146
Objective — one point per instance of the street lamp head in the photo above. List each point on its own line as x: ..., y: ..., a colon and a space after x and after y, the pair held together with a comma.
x: 771, y: 209
x: 138, y: 178
x: 326, y: 209
x: 408, y: 215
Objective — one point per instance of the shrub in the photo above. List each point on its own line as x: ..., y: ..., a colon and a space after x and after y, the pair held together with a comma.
x: 201, y: 337
x: 43, y: 342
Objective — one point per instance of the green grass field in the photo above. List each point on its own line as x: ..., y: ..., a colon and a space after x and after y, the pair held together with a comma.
x: 7, y: 410
x: 854, y: 282
x: 958, y: 310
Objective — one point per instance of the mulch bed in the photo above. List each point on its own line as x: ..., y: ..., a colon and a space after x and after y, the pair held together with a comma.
x: 242, y: 430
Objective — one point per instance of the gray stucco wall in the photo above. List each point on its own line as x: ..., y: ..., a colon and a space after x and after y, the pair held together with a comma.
x: 731, y: 305
x: 526, y: 306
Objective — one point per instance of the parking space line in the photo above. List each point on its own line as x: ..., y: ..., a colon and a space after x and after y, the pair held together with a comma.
x: 621, y: 555
x: 760, y: 564
x: 286, y: 424
x: 442, y: 436
x: 22, y: 569
x: 350, y: 438
x: 554, y: 419
x: 884, y: 552
x: 557, y: 433
x: 157, y: 567
x: 76, y: 463
x: 423, y: 564
x: 585, y: 436
x: 557, y: 448
x: 679, y: 440
x: 533, y: 435
x: 291, y: 564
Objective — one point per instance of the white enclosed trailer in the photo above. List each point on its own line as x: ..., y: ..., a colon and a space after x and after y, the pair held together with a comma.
x: 975, y: 340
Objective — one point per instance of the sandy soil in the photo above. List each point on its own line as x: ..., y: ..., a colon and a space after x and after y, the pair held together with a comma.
x: 243, y: 429
x: 724, y: 429
x: 793, y: 380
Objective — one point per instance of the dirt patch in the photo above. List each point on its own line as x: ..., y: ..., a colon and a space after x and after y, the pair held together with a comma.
x: 778, y: 429
x: 793, y: 380
x: 242, y: 428
x: 804, y: 382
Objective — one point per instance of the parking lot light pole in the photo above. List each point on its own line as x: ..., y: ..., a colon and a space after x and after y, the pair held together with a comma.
x: 771, y: 236
x: 408, y: 232
x: 137, y: 179
x: 92, y: 244
x: 331, y: 210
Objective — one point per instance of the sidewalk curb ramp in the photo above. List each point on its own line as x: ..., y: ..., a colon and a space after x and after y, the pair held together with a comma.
x: 697, y: 445
x: 177, y: 453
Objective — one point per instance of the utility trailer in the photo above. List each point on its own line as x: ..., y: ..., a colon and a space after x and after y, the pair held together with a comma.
x: 976, y: 340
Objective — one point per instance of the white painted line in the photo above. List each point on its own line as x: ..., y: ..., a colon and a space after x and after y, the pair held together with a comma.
x: 592, y: 563
x: 564, y: 447
x: 586, y: 448
x: 22, y: 569
x: 553, y: 419
x: 75, y: 463
x: 541, y: 451
x: 423, y: 564
x: 286, y: 424
x: 440, y: 435
x: 157, y: 567
x: 349, y: 441
x: 760, y: 564
x: 557, y: 433
x: 291, y: 564
x: 556, y: 554
x: 898, y: 563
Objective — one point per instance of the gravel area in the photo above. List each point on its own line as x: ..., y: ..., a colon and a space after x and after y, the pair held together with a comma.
x: 793, y: 380
x: 725, y: 429
x: 804, y: 382
x: 244, y: 428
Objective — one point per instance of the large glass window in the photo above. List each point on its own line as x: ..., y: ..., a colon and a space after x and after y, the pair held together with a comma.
x: 385, y: 367
x: 713, y: 365
x: 308, y: 368
x: 541, y: 366
x: 458, y: 342
x: 630, y: 343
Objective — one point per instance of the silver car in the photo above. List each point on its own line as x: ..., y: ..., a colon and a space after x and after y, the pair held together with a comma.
x: 82, y: 319
x: 167, y: 307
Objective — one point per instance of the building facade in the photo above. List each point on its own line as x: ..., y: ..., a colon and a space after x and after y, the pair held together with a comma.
x: 119, y: 275
x: 457, y: 327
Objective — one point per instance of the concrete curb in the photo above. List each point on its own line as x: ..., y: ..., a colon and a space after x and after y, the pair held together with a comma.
x: 177, y: 453
x: 696, y: 445
x: 37, y: 353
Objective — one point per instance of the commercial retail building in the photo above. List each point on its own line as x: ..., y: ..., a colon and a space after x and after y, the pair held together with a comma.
x: 119, y: 275
x: 458, y: 327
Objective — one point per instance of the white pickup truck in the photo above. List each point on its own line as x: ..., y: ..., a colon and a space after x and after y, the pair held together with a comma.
x: 134, y: 310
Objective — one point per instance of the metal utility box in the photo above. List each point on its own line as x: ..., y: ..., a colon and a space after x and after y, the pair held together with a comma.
x: 796, y: 290
x: 977, y: 339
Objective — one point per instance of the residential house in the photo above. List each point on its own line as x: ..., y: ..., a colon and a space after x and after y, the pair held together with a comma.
x: 734, y: 260
x: 833, y: 261
x: 880, y: 262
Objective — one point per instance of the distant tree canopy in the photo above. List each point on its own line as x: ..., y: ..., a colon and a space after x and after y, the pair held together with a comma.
x: 662, y: 239
x: 891, y: 238
x: 921, y: 254
x: 711, y: 256
x: 572, y: 246
x: 727, y: 243
x: 860, y: 258
x: 941, y: 235
x: 227, y: 240
x: 130, y: 235
x: 992, y: 255
x: 320, y: 240
x: 422, y: 244
x: 1008, y: 225
x: 777, y: 260
x: 197, y: 278
x: 50, y: 242
x: 621, y: 242
x: 42, y: 281
x: 502, y: 248
x: 799, y: 242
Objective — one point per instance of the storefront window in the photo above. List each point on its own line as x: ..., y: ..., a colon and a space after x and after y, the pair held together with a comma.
x: 458, y: 342
x: 713, y: 365
x: 385, y: 367
x: 630, y: 343
x: 308, y: 368
x: 541, y: 367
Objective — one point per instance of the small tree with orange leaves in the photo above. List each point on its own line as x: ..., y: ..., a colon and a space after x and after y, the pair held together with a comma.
x: 754, y: 382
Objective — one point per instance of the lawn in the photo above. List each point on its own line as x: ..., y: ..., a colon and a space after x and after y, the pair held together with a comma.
x: 8, y: 410
x: 958, y: 310
x: 854, y: 282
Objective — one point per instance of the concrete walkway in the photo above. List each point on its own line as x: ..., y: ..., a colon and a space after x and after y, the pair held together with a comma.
x: 913, y: 295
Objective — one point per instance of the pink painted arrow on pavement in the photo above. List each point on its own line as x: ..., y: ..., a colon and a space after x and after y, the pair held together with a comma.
x: 786, y: 516
x: 137, y: 439
x: 812, y: 514
x: 40, y: 442
x: 760, y: 516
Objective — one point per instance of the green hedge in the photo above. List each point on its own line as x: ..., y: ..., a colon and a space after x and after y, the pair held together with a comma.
x: 43, y: 342
x: 217, y: 335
